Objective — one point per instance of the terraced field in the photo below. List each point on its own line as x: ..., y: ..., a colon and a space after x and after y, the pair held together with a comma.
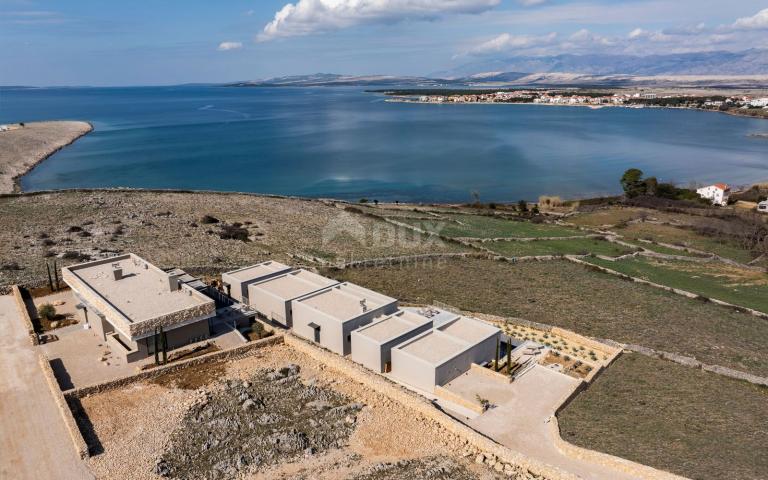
x: 576, y: 246
x: 478, y: 226
x: 693, y: 423
x: 748, y: 288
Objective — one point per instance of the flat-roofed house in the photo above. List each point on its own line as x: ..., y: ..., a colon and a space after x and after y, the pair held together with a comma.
x: 125, y: 298
x: 329, y: 316
x: 718, y: 194
x: 272, y: 297
x: 441, y: 354
x: 236, y: 282
x: 372, y: 344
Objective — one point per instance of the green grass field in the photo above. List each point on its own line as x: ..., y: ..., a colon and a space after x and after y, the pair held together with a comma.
x: 478, y: 226
x: 668, y: 251
x: 739, y: 286
x: 588, y: 302
x: 576, y: 246
x: 679, y: 419
x: 685, y: 237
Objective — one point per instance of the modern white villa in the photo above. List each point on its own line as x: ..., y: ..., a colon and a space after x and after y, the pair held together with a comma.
x: 275, y: 295
x: 718, y: 194
x: 419, y: 347
x: 123, y: 299
x: 762, y: 207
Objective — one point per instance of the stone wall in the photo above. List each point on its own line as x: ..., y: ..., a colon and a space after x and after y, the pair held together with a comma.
x: 224, y: 355
x: 448, y: 395
x: 24, y: 313
x: 452, y: 430
x: 81, y: 447
x: 677, y: 291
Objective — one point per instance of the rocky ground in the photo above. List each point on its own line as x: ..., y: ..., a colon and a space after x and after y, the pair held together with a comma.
x: 24, y: 147
x: 271, y: 418
x: 278, y: 414
x: 202, y: 232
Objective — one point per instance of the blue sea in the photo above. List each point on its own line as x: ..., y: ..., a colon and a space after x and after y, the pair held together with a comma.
x: 347, y: 143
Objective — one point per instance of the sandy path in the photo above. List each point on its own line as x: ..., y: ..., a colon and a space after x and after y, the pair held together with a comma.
x: 23, y: 148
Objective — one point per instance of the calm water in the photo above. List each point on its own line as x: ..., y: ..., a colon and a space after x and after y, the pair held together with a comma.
x: 342, y: 142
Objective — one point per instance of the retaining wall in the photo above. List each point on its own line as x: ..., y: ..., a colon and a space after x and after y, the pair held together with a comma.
x: 24, y: 312
x: 78, y: 442
x: 229, y: 354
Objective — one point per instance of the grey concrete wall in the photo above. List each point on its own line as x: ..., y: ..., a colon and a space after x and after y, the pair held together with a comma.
x: 482, y: 352
x: 367, y: 352
x: 413, y: 371
x: 269, y: 305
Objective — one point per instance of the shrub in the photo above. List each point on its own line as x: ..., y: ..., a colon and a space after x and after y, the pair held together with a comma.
x: 84, y: 234
x: 48, y: 242
x: 74, y: 229
x: 46, y: 311
x: 231, y: 232
x: 11, y: 266
x: 80, y: 257
x: 207, y: 220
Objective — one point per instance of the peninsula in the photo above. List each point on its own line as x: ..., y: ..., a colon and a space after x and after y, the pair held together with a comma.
x: 24, y: 145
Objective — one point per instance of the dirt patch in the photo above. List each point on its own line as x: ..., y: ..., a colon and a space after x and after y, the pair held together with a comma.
x: 191, y: 378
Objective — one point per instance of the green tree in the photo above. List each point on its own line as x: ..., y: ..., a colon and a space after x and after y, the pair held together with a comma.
x: 522, y: 206
x: 632, y: 182
x: 47, y: 311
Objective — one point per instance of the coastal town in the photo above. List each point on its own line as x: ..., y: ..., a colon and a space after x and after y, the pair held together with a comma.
x: 639, y: 99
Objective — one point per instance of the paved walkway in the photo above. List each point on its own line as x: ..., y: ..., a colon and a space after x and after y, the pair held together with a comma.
x: 34, y: 443
x: 519, y: 420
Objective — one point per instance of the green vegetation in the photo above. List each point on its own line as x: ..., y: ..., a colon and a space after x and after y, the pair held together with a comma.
x: 47, y: 312
x: 480, y: 226
x: 576, y: 246
x: 567, y: 295
x: 730, y: 284
x: 635, y: 185
x: 675, y: 418
x: 687, y: 238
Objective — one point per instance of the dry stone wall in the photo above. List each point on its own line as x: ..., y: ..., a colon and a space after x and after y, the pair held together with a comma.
x: 81, y: 447
x: 24, y: 312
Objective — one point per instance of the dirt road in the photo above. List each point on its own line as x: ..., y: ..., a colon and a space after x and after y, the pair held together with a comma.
x: 34, y: 443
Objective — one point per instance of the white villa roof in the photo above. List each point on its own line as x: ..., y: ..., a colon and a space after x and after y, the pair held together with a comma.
x: 294, y: 284
x: 257, y: 271
x: 345, y: 301
x: 393, y: 326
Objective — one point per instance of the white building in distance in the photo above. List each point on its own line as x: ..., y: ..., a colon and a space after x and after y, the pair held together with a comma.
x: 718, y: 193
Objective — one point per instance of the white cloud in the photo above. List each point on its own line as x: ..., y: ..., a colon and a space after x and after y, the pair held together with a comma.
x: 509, y: 43
x: 225, y: 46
x: 531, y: 3
x: 306, y: 17
x: 758, y: 21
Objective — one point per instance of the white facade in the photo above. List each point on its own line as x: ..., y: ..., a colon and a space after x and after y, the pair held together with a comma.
x: 272, y: 297
x: 762, y: 207
x: 718, y: 193
x: 329, y: 316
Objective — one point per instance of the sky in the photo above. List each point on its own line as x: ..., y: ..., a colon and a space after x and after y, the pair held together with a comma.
x: 140, y: 42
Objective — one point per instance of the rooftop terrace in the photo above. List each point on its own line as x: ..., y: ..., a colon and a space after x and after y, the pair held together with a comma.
x: 295, y: 284
x: 393, y: 326
x: 256, y: 271
x: 346, y: 300
x: 142, y: 291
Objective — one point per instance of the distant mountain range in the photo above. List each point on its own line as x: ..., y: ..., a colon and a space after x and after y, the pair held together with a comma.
x: 749, y: 62
x: 747, y: 69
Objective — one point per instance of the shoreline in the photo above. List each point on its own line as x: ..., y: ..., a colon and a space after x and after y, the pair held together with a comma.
x: 582, y: 105
x: 22, y: 149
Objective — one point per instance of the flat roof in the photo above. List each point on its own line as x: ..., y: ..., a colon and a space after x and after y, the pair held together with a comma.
x: 434, y: 346
x: 468, y: 329
x: 143, y: 292
x: 393, y: 326
x: 257, y: 271
x: 295, y: 284
x: 344, y: 301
